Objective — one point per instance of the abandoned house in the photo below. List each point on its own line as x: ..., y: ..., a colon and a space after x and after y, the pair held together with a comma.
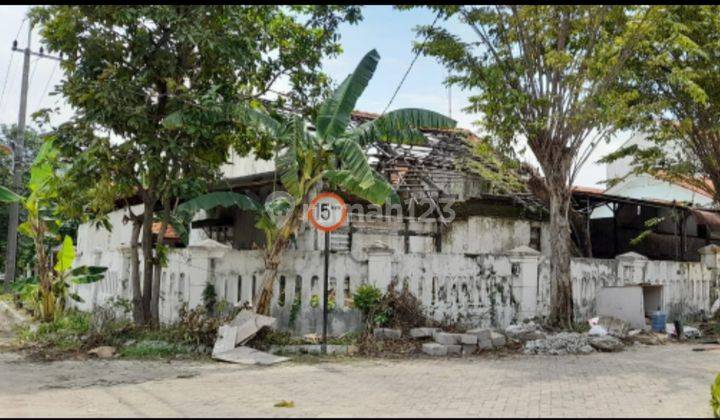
x: 485, y: 265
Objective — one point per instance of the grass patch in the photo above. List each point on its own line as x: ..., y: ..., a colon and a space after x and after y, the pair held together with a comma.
x: 66, y: 333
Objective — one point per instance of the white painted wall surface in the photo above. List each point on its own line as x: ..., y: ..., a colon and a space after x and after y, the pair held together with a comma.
x: 244, y: 166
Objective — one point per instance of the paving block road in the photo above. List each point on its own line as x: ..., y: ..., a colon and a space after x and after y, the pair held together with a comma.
x: 643, y: 381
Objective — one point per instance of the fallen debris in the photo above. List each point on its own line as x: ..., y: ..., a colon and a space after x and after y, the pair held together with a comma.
x: 434, y: 349
x: 559, y: 344
x: 606, y: 343
x: 249, y: 356
x: 613, y: 326
x: 103, y: 352
x: 422, y: 332
x: 524, y: 332
x: 239, y: 331
x: 688, y: 331
x: 387, y: 334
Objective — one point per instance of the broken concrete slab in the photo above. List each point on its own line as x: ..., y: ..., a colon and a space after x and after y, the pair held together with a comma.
x: 446, y: 338
x: 248, y: 324
x: 424, y: 332
x: 468, y: 339
x: 225, y: 340
x: 524, y: 332
x: 387, y: 334
x: 249, y: 356
x: 497, y: 339
x: 605, y: 343
x: 480, y: 332
x: 469, y: 349
x: 434, y: 349
x: 454, y: 349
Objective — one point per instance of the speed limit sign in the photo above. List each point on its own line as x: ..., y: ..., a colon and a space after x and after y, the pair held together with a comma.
x: 327, y: 212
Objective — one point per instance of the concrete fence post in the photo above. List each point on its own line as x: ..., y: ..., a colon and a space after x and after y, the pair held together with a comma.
x: 524, y: 266
x: 379, y: 265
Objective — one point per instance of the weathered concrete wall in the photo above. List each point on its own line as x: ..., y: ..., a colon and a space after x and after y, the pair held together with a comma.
x: 472, y: 280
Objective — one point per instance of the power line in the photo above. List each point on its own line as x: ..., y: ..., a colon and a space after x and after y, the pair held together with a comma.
x: 412, y: 63
x: 7, y: 74
x: 47, y: 84
x: 34, y: 66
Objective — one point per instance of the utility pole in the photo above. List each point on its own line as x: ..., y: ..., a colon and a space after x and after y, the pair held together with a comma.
x: 17, y: 148
x: 17, y: 160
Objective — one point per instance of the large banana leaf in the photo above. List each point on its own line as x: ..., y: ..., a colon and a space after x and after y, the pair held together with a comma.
x: 87, y: 274
x: 401, y: 126
x: 287, y: 164
x: 377, y: 193
x: 7, y: 196
x: 65, y: 256
x: 212, y: 200
x: 353, y: 159
x: 334, y: 114
x: 42, y: 170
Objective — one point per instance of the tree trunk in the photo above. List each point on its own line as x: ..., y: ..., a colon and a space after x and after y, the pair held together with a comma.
x: 155, y: 302
x: 147, y: 248
x: 561, y: 299
x: 47, y: 300
x: 135, y: 273
x: 273, y: 254
x: 272, y: 262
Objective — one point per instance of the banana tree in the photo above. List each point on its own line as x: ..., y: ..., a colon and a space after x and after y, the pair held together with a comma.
x: 329, y: 151
x: 49, y: 289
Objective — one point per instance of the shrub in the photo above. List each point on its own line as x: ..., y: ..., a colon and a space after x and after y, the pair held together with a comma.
x: 209, y: 298
x: 66, y: 332
x: 367, y: 299
x: 400, y: 309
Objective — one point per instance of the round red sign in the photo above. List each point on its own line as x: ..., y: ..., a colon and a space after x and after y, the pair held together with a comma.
x: 327, y: 212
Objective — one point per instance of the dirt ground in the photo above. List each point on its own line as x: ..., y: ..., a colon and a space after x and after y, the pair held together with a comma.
x: 669, y: 380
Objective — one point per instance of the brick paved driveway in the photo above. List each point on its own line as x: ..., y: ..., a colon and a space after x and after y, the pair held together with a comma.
x: 643, y: 381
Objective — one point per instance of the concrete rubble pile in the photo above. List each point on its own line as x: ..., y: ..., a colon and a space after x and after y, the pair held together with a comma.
x: 229, y: 345
x: 448, y: 344
x: 558, y: 344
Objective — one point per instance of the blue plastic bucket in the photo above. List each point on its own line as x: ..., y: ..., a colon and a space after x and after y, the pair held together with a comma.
x: 658, y: 321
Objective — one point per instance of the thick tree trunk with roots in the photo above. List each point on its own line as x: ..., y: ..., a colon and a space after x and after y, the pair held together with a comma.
x: 561, y: 294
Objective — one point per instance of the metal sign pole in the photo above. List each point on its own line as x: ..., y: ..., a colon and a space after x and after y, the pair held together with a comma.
x: 325, y: 291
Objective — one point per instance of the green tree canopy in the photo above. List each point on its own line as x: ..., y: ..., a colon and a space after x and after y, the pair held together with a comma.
x: 154, y: 89
x: 547, y: 77
x: 677, y: 75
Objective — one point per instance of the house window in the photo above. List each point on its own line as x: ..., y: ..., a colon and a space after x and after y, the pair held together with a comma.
x: 535, y: 237
x: 222, y: 234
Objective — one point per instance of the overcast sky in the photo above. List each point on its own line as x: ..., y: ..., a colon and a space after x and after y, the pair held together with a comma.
x: 383, y: 28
